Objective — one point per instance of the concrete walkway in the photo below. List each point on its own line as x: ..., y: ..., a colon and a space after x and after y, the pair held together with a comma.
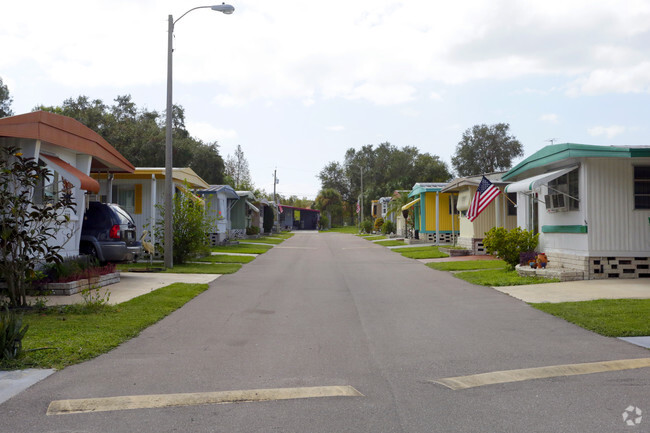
x: 133, y: 284
x: 583, y: 290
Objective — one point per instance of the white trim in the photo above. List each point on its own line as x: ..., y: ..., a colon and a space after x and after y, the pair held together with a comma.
x: 533, y: 183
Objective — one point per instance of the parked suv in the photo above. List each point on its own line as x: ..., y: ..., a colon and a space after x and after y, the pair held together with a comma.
x: 108, y: 233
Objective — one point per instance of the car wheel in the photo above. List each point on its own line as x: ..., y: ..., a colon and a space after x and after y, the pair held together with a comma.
x: 90, y: 250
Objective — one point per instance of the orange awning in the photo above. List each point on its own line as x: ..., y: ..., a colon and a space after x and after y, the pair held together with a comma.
x: 87, y: 183
x: 68, y: 133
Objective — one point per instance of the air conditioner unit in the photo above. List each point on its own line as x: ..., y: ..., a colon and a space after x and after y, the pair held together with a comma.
x: 555, y: 202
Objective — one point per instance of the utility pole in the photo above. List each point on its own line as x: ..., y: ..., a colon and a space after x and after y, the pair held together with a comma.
x: 277, y: 205
x: 275, y: 181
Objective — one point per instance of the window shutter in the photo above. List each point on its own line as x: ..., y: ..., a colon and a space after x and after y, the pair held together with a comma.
x: 138, y: 198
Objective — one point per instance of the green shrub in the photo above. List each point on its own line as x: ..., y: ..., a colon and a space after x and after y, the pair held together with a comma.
x: 388, y: 227
x: 26, y: 231
x: 11, y: 334
x: 323, y: 223
x: 379, y: 222
x: 366, y: 227
x: 190, y: 223
x: 508, y: 245
x: 252, y: 230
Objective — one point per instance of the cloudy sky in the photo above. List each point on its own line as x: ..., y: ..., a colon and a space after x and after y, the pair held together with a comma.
x: 296, y: 83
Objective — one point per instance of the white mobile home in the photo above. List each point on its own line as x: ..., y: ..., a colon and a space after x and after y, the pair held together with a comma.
x: 144, y: 189
x: 219, y: 200
x: 502, y: 212
x: 70, y: 151
x: 590, y: 205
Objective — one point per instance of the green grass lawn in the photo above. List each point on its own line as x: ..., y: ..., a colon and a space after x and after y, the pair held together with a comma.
x: 242, y: 248
x: 500, y: 277
x: 353, y: 230
x: 187, y: 268
x: 266, y: 240
x: 609, y: 317
x: 421, y: 252
x: 374, y: 238
x: 60, y: 336
x: 222, y: 258
x: 390, y: 243
x: 468, y: 265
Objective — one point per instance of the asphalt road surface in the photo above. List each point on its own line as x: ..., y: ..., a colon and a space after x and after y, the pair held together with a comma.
x: 333, y: 310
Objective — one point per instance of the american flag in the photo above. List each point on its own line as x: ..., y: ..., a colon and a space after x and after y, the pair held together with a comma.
x: 484, y: 195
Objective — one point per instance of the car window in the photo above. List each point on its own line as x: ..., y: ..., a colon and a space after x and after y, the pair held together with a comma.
x: 95, y: 217
x: 123, y: 215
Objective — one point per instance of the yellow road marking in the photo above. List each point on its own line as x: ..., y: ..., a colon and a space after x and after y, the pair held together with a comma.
x: 507, y: 376
x: 62, y: 407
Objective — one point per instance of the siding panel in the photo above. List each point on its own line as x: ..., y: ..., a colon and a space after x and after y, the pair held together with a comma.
x: 614, y: 226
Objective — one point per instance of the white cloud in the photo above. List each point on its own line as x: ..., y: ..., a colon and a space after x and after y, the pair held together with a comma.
x: 336, y: 128
x: 383, y: 95
x: 607, y: 131
x: 378, y: 50
x: 435, y: 96
x: 635, y: 79
x: 549, y: 118
x: 208, y: 133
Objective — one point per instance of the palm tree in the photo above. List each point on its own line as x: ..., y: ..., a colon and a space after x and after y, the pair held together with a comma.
x: 329, y: 200
x: 399, y: 200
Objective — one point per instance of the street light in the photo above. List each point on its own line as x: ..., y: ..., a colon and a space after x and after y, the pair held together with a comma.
x: 169, y: 185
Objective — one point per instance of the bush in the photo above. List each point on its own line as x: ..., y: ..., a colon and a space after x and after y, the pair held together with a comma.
x: 526, y: 257
x: 11, y: 334
x: 508, y: 245
x: 366, y: 227
x: 73, y: 269
x: 252, y: 230
x: 379, y: 222
x: 388, y: 227
x: 190, y: 223
x: 30, y: 235
x: 323, y: 223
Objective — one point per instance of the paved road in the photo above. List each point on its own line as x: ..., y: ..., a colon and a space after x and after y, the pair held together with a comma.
x: 331, y: 309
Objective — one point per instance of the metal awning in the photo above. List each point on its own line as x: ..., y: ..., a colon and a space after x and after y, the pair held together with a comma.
x: 250, y: 205
x: 533, y: 183
x: 408, y: 205
x: 195, y: 198
x: 73, y: 174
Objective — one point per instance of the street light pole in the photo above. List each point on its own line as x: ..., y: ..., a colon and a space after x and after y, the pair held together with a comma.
x: 169, y: 184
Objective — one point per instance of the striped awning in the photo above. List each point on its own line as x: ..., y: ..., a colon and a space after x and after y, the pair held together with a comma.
x: 533, y: 183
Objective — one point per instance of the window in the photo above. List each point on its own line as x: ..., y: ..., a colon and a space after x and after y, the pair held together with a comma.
x: 512, y: 203
x: 47, y: 190
x: 124, y: 195
x: 567, y: 185
x: 642, y: 187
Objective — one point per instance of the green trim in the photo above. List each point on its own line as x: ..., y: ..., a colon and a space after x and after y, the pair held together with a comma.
x: 423, y: 212
x: 559, y: 152
x: 419, y: 189
x: 564, y: 229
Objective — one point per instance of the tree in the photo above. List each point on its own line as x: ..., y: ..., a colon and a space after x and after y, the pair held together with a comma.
x: 486, y: 149
x: 28, y: 232
x: 329, y: 200
x: 236, y: 169
x: 139, y: 134
x: 5, y: 100
x: 190, y: 224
